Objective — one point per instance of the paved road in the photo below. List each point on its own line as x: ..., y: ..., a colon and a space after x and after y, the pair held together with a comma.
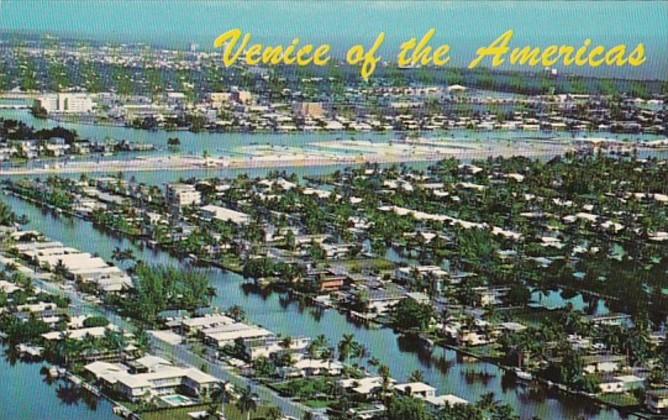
x: 178, y: 353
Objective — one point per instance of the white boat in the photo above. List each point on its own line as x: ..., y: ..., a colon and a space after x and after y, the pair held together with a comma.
x: 523, y: 376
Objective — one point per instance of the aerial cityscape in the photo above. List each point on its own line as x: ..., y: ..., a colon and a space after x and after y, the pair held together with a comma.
x: 180, y: 239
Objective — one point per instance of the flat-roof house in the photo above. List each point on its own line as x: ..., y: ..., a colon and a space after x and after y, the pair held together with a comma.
x: 312, y: 367
x: 212, y: 212
x: 416, y: 389
x: 443, y: 400
x: 228, y: 334
x: 193, y: 325
x: 602, y: 363
x: 363, y: 386
x: 610, y: 383
x: 160, y: 378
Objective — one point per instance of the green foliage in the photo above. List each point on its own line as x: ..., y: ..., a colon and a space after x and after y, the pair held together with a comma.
x: 158, y: 288
x: 95, y: 321
x: 411, y: 315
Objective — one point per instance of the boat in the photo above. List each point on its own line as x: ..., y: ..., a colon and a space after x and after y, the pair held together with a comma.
x: 426, y: 343
x: 522, y: 375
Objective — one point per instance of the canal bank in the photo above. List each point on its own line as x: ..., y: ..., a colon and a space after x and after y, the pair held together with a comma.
x: 442, y: 368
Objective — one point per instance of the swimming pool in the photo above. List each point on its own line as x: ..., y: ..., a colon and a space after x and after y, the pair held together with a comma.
x: 176, y: 400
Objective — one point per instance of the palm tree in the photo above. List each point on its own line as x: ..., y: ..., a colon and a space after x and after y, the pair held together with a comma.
x: 220, y: 395
x: 286, y: 342
x: 273, y: 413
x: 384, y: 372
x: 246, y: 402
x: 346, y: 346
x: 416, y: 376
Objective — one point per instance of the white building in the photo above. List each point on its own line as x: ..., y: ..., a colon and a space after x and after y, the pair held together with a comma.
x: 75, y: 103
x: 182, y: 195
x: 211, y: 212
x: 150, y: 376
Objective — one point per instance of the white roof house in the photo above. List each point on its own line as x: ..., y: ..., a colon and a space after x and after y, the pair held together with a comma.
x: 222, y: 213
x: 162, y: 378
x: 443, y: 400
x: 206, y: 322
x: 79, y: 334
x: 416, y: 389
x: 228, y: 334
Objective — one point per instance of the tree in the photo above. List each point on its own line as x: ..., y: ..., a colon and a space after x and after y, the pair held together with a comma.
x: 247, y: 402
x: 95, y: 321
x: 407, y: 408
x: 519, y: 295
x: 273, y: 413
x: 348, y: 347
x: 237, y: 312
x: 409, y: 315
x: 220, y: 395
x: 416, y: 376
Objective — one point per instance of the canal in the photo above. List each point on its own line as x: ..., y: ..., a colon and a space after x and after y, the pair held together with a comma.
x: 442, y: 368
x: 25, y: 393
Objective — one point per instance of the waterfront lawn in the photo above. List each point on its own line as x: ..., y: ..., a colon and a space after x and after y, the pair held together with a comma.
x: 357, y: 265
x: 534, y: 317
x: 181, y: 413
x: 305, y: 388
x: 487, y: 350
x: 620, y: 400
x: 231, y: 262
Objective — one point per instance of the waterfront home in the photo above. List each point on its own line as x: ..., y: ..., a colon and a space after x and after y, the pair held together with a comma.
x: 610, y: 383
x: 190, y: 326
x: 268, y: 346
x: 603, y: 363
x: 364, y: 386
x: 328, y: 281
x: 225, y: 335
x: 445, y: 400
x: 306, y: 367
x: 416, y: 389
x: 609, y: 319
x: 382, y: 300
x: 409, y: 275
x: 148, y: 377
x: 656, y: 400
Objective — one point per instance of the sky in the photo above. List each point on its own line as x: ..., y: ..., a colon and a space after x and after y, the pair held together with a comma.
x: 464, y: 25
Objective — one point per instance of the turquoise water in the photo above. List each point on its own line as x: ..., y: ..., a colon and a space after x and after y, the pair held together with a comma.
x: 443, y: 369
x: 219, y: 144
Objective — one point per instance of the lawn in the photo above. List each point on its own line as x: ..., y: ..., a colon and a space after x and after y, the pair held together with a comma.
x: 181, y: 413
x: 533, y: 317
x: 318, y: 403
x: 376, y: 264
x: 488, y: 350
x: 620, y: 400
x: 304, y: 388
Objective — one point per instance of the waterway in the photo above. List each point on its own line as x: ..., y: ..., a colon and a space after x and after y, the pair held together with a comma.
x: 229, y: 144
x: 26, y: 394
x: 443, y: 368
